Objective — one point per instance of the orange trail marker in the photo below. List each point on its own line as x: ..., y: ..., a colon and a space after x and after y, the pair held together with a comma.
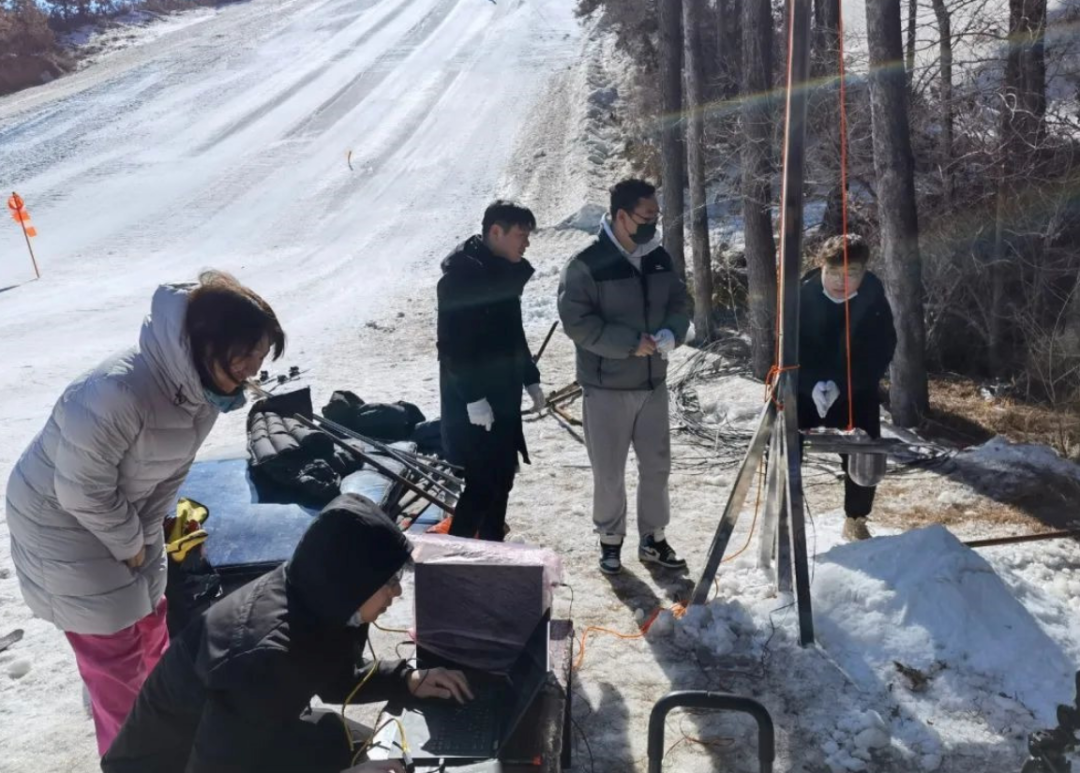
x: 21, y: 216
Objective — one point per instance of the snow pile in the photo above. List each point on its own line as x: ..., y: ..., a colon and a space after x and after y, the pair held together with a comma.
x: 930, y: 642
x: 1004, y: 467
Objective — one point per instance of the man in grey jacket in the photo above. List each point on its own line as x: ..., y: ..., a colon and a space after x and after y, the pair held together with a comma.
x: 625, y: 307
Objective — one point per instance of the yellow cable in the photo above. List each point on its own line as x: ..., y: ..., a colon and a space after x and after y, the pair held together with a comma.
x: 344, y: 724
x: 379, y: 729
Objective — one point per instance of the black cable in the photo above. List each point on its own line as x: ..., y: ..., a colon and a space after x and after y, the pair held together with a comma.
x: 585, y: 738
x: 571, y: 613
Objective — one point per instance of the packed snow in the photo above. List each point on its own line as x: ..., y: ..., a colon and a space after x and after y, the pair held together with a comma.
x: 225, y: 143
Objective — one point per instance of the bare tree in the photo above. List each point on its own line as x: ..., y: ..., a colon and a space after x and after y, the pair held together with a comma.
x: 824, y: 43
x: 672, y: 168
x: 894, y: 170
x: 695, y: 147
x: 757, y: 129
x: 945, y: 46
x: 912, y: 36
x: 1023, y: 113
x: 727, y: 19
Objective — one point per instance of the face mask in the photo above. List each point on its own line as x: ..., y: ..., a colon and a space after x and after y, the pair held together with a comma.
x: 225, y: 403
x: 356, y: 621
x: 644, y: 234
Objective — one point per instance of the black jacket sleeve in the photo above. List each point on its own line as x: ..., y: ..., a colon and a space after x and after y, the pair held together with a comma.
x: 530, y: 372
x: 461, y: 334
x: 389, y: 682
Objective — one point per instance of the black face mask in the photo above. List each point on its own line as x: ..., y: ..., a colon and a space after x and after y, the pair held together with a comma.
x: 644, y: 234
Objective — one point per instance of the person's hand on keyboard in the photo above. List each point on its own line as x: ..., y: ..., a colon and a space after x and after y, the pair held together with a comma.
x: 378, y: 766
x: 440, y: 683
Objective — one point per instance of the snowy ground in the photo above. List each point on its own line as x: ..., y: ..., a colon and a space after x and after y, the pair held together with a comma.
x: 224, y: 144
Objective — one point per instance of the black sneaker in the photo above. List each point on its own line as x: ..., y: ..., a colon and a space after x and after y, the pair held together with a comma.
x: 659, y: 552
x: 610, y: 558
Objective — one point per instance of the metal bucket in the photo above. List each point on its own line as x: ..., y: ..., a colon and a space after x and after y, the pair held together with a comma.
x: 867, y: 469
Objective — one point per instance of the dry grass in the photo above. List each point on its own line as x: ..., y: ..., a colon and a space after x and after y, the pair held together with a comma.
x: 961, y: 413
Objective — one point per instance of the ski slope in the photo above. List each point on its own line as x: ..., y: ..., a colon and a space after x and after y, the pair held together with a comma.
x: 224, y: 143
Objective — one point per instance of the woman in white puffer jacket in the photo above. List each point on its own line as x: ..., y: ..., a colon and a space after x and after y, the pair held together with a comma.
x: 86, y: 501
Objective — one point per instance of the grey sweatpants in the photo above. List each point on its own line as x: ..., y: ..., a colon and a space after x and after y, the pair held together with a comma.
x: 613, y: 421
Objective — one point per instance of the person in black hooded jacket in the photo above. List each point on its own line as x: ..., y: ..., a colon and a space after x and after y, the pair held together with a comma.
x: 484, y: 363
x: 823, y: 355
x: 231, y: 694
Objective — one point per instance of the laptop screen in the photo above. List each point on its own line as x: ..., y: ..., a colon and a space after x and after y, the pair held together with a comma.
x: 527, y: 677
x: 478, y: 616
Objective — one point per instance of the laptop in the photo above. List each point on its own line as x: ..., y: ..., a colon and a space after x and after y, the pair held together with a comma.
x: 476, y: 615
x: 438, y: 729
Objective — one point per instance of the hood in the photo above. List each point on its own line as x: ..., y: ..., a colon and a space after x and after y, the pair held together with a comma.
x: 164, y: 344
x: 473, y: 255
x: 640, y: 251
x: 350, y: 550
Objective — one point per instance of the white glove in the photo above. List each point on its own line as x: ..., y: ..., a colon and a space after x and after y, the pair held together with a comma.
x: 536, y: 394
x: 825, y: 394
x: 480, y: 414
x: 665, y: 342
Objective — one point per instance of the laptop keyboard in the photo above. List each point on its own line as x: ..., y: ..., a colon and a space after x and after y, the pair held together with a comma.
x: 462, y: 730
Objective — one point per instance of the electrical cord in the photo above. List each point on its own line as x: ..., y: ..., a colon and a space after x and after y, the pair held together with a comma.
x: 588, y: 747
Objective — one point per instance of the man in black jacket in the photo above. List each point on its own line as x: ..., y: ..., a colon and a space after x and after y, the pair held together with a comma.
x: 231, y: 694
x: 823, y: 355
x: 484, y: 362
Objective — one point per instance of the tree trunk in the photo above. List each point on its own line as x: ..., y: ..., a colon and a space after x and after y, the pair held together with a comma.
x: 1033, y: 64
x: 696, y: 166
x: 695, y: 147
x: 727, y: 16
x: 912, y: 30
x: 827, y: 39
x: 1022, y: 129
x: 757, y: 118
x: 823, y: 54
x: 672, y: 169
x: 894, y: 169
x: 944, y: 21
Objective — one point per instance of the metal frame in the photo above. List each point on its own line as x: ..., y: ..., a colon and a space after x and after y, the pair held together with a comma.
x: 700, y: 699
x: 780, y: 423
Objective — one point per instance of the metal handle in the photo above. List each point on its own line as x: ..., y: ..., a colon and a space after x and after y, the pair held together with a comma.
x: 702, y: 699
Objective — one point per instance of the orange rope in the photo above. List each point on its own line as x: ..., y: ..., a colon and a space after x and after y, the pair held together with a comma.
x: 762, y: 472
x: 844, y: 210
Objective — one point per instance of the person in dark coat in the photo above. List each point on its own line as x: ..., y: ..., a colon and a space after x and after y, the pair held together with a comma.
x: 823, y: 370
x: 484, y: 363
x: 232, y: 692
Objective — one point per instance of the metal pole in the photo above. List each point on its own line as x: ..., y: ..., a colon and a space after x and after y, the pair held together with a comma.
x: 408, y: 460
x: 743, y: 479
x: 773, y: 507
x: 796, y: 515
x: 791, y: 229
x: 547, y: 340
x: 989, y: 543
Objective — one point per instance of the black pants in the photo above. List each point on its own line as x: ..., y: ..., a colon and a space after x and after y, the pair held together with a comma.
x: 858, y: 500
x: 490, y: 461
